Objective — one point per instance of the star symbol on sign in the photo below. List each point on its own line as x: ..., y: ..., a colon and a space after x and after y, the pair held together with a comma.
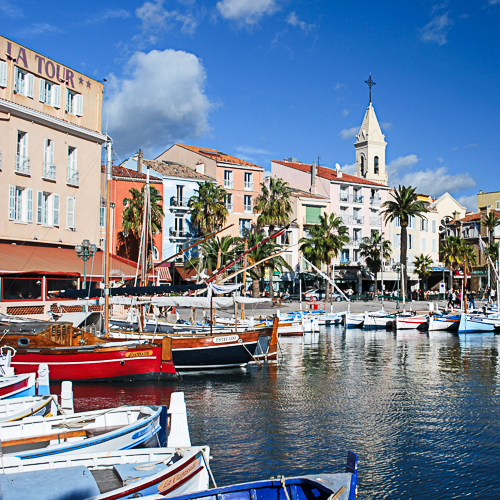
x: 80, y: 81
x: 88, y: 84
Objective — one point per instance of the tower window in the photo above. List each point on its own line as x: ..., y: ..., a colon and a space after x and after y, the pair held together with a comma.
x: 362, y: 160
x: 375, y: 164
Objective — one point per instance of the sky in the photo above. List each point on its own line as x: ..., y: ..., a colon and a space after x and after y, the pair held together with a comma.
x: 273, y: 79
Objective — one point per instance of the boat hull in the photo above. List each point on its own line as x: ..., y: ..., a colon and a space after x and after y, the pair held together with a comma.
x: 477, y: 324
x: 18, y: 386
x: 376, y: 322
x: 443, y: 323
x: 19, y: 408
x: 409, y: 322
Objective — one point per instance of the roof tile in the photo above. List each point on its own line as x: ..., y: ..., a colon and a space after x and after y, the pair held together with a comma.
x: 218, y: 156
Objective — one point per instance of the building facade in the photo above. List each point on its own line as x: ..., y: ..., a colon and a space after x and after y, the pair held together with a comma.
x: 490, y: 199
x: 50, y: 149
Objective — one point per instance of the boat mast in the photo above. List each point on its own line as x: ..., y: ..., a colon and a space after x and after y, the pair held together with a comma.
x: 244, y: 279
x: 108, y: 236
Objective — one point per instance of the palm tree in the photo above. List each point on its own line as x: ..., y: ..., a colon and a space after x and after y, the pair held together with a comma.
x: 210, y: 253
x: 371, y: 249
x: 493, y: 252
x: 422, y: 265
x: 404, y: 206
x: 451, y: 255
x: 274, y: 208
x: 491, y: 222
x: 208, y: 207
x: 325, y: 240
x: 133, y: 214
x: 265, y: 250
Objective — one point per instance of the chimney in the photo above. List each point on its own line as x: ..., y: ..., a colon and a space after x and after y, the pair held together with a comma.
x: 139, y: 162
x: 200, y: 168
x: 313, y: 177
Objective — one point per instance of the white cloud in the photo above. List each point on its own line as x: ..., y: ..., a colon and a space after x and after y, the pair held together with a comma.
x: 470, y: 202
x: 494, y: 2
x: 349, y: 169
x: 346, y: 112
x: 10, y: 10
x: 347, y: 133
x: 439, y: 159
x: 250, y: 150
x: 108, y: 15
x: 401, y: 163
x: 247, y: 12
x: 39, y: 29
x: 386, y: 125
x: 437, y: 29
x: 294, y: 20
x: 473, y: 145
x: 156, y: 20
x: 162, y: 101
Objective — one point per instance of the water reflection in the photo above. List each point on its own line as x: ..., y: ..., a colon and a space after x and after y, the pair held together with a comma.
x: 421, y: 410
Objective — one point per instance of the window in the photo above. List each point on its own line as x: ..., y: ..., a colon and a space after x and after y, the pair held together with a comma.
x: 245, y: 226
x: 410, y: 242
x: 286, y: 238
x: 179, y: 226
x: 23, y: 82
x: 20, y: 204
x: 48, y: 207
x: 50, y: 93
x: 357, y: 235
x: 362, y: 164
x: 497, y: 205
x: 180, y: 195
x: 434, y: 247
x: 70, y: 213
x: 73, y: 176
x: 247, y: 204
x: 397, y: 222
x: 357, y: 198
x: 344, y: 256
x: 433, y: 226
x: 312, y: 214
x: 102, y: 214
x: 357, y: 217
x: 375, y: 164
x: 228, y: 179
x: 248, y: 181
x: 3, y: 74
x: 344, y: 194
x: 229, y: 202
x: 74, y: 103
x: 424, y: 244
x: 49, y: 169
x: 397, y: 241
x: 411, y: 222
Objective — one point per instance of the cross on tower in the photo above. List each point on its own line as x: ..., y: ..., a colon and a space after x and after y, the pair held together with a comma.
x: 370, y: 84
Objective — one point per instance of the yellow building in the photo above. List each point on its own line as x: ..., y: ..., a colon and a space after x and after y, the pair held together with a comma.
x: 50, y: 149
x: 491, y: 199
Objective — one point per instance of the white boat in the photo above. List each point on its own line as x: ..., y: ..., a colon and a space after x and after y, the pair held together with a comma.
x: 19, y: 408
x: 477, y: 323
x: 376, y: 319
x: 410, y: 322
x: 107, y: 475
x: 443, y: 323
x: 354, y: 320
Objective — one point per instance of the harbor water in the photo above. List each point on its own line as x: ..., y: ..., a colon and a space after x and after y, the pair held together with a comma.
x: 422, y: 411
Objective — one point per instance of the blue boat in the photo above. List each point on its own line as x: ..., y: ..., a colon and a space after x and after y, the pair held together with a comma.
x: 477, y: 323
x: 340, y: 486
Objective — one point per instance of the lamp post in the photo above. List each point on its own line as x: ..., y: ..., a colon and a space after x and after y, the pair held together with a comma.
x: 85, y: 251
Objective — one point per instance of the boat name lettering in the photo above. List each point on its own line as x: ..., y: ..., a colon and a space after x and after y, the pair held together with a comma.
x: 170, y: 481
x: 144, y: 431
x: 138, y: 354
x: 226, y: 338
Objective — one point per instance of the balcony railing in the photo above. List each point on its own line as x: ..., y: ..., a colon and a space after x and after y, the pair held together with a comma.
x: 49, y: 171
x: 344, y: 197
x: 358, y: 219
x: 23, y: 165
x: 375, y: 200
x: 73, y: 178
x: 178, y: 233
x: 228, y: 184
x: 345, y: 219
x: 179, y: 202
x: 357, y: 198
x: 229, y: 207
x: 355, y: 242
x: 375, y: 221
x: 248, y: 209
x: 248, y: 186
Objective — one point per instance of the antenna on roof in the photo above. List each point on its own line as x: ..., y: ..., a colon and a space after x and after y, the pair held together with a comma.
x: 319, y: 158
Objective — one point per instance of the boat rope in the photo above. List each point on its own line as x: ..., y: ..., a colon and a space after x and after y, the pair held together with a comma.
x: 209, y: 469
x: 251, y: 355
x: 283, y: 484
x: 84, y: 421
x: 167, y: 461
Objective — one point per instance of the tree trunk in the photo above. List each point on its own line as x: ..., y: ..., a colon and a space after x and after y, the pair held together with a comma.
x: 404, y: 243
x: 450, y: 279
x: 255, y: 288
x: 327, y: 287
x: 375, y: 285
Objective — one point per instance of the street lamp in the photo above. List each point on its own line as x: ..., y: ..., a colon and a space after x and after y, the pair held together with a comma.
x: 85, y: 251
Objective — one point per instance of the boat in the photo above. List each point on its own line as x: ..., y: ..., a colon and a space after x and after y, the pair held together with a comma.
x: 353, y: 320
x: 107, y: 475
x: 379, y: 319
x: 477, y: 323
x: 92, y: 431
x: 340, y: 486
x: 447, y: 322
x: 19, y: 408
x: 410, y: 321
x: 24, y: 385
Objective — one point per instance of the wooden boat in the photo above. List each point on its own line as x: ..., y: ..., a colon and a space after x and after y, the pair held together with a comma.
x: 376, y: 320
x: 477, y: 323
x: 19, y: 408
x: 107, y: 475
x: 353, y: 320
x: 17, y: 386
x: 74, y: 354
x: 340, y: 486
x: 92, y: 431
x: 447, y: 322
x: 409, y: 321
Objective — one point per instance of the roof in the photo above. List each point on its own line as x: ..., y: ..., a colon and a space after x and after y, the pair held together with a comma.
x: 329, y: 173
x: 370, y: 128
x: 470, y: 217
x: 306, y: 194
x: 213, y: 154
x: 27, y: 258
x: 177, y: 170
x: 123, y: 173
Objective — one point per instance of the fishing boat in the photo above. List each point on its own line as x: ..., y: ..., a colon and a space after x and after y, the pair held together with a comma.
x: 93, y: 431
x: 410, y: 321
x: 477, y: 323
x: 354, y: 320
x: 376, y: 320
x: 19, y: 408
x: 17, y: 386
x: 340, y: 486
x: 448, y: 322
x: 107, y: 475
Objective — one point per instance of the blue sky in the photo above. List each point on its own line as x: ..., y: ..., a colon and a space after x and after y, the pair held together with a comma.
x: 272, y: 79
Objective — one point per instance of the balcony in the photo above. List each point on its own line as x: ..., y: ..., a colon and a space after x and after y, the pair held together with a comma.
x: 49, y: 171
x: 355, y: 242
x: 357, y: 198
x: 344, y: 197
x: 73, y: 178
x: 248, y: 186
x: 229, y: 207
x: 179, y: 202
x: 228, y: 183
x: 248, y: 209
x: 375, y: 221
x: 346, y: 219
x: 375, y: 200
x: 23, y: 165
x: 356, y: 219
x: 178, y: 233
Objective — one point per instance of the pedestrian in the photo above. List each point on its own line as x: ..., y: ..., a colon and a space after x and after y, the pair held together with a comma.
x: 492, y: 296
x: 450, y: 299
x: 471, y: 299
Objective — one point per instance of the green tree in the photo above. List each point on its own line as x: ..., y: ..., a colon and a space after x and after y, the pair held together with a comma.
x: 405, y: 204
x: 324, y: 241
x: 491, y: 222
x: 371, y: 250
x: 422, y: 265
x: 450, y: 255
x: 274, y: 208
x: 133, y: 213
x: 208, y: 207
x: 493, y: 252
x: 210, y: 253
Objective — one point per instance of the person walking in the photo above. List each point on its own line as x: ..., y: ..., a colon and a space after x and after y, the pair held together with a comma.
x: 471, y: 299
x: 450, y: 299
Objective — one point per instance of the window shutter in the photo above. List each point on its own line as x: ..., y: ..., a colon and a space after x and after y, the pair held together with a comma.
x: 51, y: 152
x: 74, y: 165
x: 56, y: 96
x: 30, y: 85
x: 3, y: 73
x: 16, y: 79
x: 46, y: 151
x: 67, y: 100
x: 39, y: 207
x: 25, y: 145
x: 56, y: 201
x: 12, y: 202
x: 29, y: 214
x: 79, y: 105
x: 70, y: 212
x: 42, y: 90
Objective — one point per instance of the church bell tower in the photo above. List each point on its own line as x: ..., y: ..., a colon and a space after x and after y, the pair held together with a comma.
x: 370, y: 146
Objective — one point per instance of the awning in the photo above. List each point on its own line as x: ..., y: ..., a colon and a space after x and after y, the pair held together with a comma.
x: 40, y: 259
x: 164, y: 274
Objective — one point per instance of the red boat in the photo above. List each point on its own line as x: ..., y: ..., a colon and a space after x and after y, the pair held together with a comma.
x: 17, y: 386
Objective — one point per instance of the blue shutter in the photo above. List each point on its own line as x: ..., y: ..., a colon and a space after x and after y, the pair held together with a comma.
x: 39, y: 207
x: 29, y: 211
x: 30, y: 85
